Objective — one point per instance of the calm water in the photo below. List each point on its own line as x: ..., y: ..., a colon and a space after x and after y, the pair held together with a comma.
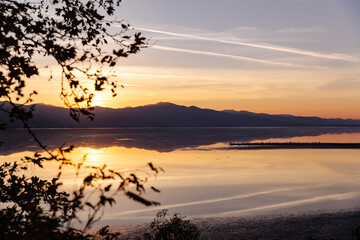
x: 201, y: 179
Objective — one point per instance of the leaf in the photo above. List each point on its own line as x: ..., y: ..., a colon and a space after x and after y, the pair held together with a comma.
x: 141, y: 200
x: 88, y: 179
x: 90, y: 205
x: 107, y: 188
x: 152, y: 167
x: 155, y: 189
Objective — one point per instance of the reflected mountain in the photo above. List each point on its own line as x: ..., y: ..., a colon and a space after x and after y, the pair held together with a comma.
x: 158, y: 139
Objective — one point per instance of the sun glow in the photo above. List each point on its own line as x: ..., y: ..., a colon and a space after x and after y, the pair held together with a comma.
x: 99, y: 99
x: 93, y: 157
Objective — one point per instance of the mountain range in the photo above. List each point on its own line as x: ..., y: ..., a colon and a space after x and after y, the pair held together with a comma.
x: 165, y: 114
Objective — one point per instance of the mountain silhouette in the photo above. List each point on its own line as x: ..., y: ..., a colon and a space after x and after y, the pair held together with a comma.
x: 165, y: 114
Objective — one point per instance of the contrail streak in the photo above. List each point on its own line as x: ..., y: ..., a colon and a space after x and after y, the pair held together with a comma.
x: 225, y: 55
x: 333, y: 56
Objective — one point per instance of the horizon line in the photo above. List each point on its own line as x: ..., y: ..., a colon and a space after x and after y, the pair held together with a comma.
x: 188, y: 106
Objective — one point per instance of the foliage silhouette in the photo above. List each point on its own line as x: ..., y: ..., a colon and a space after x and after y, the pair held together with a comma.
x: 356, y: 233
x: 174, y: 228
x: 74, y: 34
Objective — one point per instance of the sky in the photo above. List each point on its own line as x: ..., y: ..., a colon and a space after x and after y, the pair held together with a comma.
x: 299, y: 57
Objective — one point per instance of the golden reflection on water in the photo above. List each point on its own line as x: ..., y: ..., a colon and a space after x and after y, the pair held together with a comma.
x: 221, y: 182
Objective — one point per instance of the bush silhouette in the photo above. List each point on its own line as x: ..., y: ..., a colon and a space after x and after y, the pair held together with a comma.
x: 174, y: 228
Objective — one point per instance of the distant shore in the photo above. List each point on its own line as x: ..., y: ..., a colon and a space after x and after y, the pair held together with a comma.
x: 312, y: 225
x: 292, y: 145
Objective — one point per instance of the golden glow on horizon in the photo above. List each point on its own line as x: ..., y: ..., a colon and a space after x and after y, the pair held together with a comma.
x: 303, y: 93
x: 100, y: 99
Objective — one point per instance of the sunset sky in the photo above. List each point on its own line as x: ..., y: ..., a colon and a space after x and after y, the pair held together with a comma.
x: 298, y: 57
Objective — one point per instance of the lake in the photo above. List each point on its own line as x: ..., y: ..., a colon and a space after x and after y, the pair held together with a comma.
x: 204, y: 177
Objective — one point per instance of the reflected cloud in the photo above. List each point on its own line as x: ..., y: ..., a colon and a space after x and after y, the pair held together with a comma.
x: 235, y: 197
x: 342, y: 196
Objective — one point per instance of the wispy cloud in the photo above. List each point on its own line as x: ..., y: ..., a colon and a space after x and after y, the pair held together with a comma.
x: 352, y: 83
x: 247, y: 29
x: 312, y: 29
x: 225, y: 55
x: 331, y: 56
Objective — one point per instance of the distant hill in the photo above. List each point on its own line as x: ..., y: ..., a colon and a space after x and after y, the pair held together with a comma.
x: 169, y: 115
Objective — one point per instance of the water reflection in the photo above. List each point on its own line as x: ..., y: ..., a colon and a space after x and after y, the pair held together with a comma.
x: 217, y: 182
x: 169, y: 139
x: 226, y: 183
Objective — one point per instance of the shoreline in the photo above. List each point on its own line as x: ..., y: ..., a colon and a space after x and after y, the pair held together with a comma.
x: 292, y: 145
x: 311, y: 225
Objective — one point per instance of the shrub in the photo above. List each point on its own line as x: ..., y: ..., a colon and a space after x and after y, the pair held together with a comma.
x: 174, y: 228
